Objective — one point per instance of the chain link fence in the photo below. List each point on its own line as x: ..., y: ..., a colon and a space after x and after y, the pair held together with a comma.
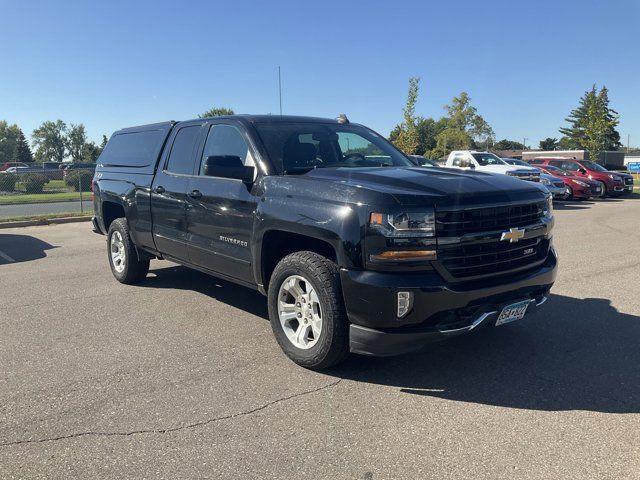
x: 37, y: 192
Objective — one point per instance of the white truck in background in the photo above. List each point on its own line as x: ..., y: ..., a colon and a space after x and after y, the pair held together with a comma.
x: 489, y: 163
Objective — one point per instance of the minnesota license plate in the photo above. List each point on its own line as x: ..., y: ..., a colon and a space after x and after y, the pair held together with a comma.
x: 513, y: 312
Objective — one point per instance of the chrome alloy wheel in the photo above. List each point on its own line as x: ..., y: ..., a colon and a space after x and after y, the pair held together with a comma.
x: 117, y: 252
x: 299, y: 312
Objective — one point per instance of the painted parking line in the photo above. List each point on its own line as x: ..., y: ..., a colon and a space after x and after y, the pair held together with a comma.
x: 6, y: 257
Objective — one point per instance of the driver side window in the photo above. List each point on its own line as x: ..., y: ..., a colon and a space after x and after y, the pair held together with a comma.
x: 226, y: 140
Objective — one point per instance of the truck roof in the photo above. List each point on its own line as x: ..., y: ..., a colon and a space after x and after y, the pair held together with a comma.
x: 279, y: 118
x: 241, y: 117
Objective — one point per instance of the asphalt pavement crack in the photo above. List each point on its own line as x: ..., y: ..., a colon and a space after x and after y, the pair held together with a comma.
x: 173, y: 429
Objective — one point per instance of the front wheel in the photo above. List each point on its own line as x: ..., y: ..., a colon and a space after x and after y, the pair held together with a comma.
x: 568, y: 194
x: 603, y: 186
x: 307, y: 312
x: 123, y: 258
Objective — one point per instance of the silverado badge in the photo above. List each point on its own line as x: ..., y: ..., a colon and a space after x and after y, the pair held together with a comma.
x: 513, y: 235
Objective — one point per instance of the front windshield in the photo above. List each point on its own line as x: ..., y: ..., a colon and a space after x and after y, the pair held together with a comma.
x: 515, y: 161
x: 594, y: 166
x: 298, y: 147
x: 556, y: 171
x: 485, y: 159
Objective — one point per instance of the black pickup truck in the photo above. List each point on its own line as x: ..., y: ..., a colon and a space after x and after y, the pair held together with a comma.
x: 355, y: 246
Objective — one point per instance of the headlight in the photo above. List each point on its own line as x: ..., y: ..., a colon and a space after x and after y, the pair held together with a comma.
x: 544, y: 181
x: 406, y: 224
x: 582, y: 184
x: 548, y: 208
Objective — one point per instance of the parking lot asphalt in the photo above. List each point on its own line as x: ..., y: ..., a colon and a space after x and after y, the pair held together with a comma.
x: 180, y: 376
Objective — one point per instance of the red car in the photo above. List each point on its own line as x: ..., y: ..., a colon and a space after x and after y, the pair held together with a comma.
x: 577, y: 188
x: 612, y: 183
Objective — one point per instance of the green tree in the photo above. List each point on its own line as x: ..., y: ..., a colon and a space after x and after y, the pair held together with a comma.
x: 50, y: 141
x: 592, y: 125
x: 90, y: 152
x: 451, y: 139
x: 103, y: 143
x: 9, y: 139
x: 611, y: 121
x: 549, y: 144
x: 406, y: 138
x: 76, y: 142
x: 505, y: 144
x: 23, y: 152
x: 463, y: 116
x: 216, y: 112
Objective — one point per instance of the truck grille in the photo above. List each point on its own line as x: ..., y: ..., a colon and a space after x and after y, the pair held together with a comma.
x: 457, y: 223
x: 482, y: 253
x: 481, y: 259
x: 530, y: 176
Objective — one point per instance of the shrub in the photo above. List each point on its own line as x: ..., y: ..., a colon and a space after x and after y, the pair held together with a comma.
x: 34, y: 182
x: 77, y: 178
x: 8, y: 182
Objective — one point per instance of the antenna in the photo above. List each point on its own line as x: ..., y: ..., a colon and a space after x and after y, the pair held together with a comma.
x: 280, y: 88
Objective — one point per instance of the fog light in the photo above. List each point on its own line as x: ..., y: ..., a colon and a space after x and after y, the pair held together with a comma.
x: 405, y: 302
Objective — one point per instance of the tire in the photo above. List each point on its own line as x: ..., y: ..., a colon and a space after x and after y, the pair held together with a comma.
x: 569, y: 194
x: 604, y: 190
x: 316, y: 348
x: 122, y: 255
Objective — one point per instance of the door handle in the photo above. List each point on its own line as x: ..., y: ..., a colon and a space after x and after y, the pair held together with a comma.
x: 160, y: 189
x: 195, y: 194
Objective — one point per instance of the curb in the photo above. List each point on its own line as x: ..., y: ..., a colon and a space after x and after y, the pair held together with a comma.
x: 44, y: 221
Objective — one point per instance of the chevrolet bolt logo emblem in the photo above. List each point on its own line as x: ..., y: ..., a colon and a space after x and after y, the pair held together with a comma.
x: 513, y: 235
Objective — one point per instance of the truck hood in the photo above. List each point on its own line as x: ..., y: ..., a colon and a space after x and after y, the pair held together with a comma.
x: 420, y: 186
x: 503, y: 169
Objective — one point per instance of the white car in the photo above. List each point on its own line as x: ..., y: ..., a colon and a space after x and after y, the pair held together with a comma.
x: 490, y: 163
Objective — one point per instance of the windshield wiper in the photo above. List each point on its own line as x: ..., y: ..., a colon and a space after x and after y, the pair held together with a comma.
x: 298, y: 170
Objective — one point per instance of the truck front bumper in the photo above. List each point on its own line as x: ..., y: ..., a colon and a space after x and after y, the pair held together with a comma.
x: 438, y: 311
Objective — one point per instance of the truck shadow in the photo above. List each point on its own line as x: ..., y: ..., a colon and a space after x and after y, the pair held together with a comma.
x: 574, y: 354
x: 183, y: 278
x: 571, y: 205
x: 21, y: 248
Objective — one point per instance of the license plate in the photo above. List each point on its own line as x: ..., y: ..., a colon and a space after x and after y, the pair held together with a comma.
x: 513, y: 312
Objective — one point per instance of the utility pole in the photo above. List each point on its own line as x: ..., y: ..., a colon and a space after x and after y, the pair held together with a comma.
x: 280, y: 89
x: 524, y: 143
x: 628, y: 141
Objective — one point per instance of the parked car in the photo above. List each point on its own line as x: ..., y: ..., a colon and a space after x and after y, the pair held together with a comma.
x: 490, y: 163
x: 424, y: 162
x: 612, y: 184
x: 555, y: 186
x: 577, y: 188
x: 5, y: 166
x: 16, y: 170
x: 356, y: 252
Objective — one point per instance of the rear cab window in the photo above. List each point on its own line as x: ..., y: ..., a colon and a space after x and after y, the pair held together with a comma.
x: 181, y: 158
x: 132, y: 149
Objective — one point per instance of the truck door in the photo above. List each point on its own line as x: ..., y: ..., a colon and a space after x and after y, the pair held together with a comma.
x: 220, y: 211
x: 169, y: 190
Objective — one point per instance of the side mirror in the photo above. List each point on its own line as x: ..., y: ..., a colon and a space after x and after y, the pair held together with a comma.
x: 228, y: 166
x: 583, y: 171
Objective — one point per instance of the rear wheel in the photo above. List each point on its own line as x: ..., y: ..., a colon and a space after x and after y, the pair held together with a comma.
x: 307, y: 312
x: 123, y: 258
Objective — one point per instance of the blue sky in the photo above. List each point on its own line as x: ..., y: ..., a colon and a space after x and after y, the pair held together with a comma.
x: 115, y: 64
